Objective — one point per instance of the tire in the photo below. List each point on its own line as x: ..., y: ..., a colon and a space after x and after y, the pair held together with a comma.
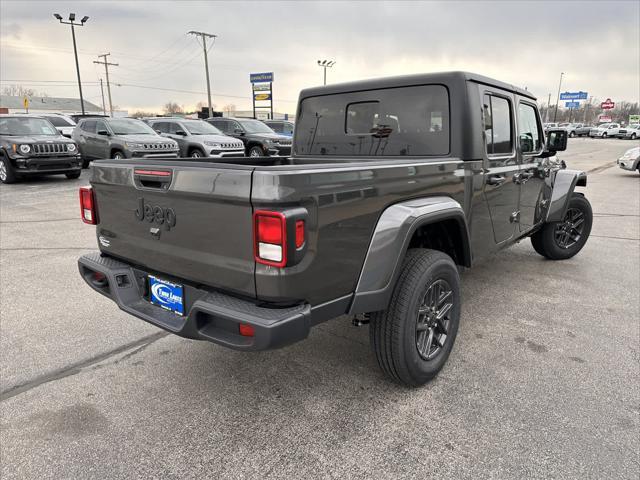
x: 73, y: 175
x: 572, y: 134
x: 633, y: 136
x: 7, y: 174
x: 557, y: 240
x: 256, y: 151
x: 85, y: 163
x: 604, y: 135
x: 117, y: 155
x: 196, y: 153
x: 394, y: 333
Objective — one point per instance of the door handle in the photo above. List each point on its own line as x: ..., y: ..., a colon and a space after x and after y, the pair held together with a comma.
x: 496, y: 179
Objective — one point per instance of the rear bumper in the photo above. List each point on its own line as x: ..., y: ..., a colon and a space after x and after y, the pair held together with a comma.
x: 629, y: 164
x: 211, y: 316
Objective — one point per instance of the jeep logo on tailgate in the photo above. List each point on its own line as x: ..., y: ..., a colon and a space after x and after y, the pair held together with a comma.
x: 156, y: 214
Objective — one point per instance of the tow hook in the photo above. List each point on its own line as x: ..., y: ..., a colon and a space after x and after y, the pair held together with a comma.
x: 360, y: 320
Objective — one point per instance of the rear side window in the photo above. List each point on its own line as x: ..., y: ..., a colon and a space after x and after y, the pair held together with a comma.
x: 89, y: 126
x: 498, y: 122
x: 221, y: 125
x: 529, y: 134
x: 59, y: 121
x: 391, y: 122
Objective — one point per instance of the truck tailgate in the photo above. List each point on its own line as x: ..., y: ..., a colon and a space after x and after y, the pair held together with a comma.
x: 191, y: 221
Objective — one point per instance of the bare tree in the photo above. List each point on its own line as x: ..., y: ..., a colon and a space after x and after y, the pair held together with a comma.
x: 229, y: 108
x: 19, y: 91
x: 205, y: 105
x: 172, y: 107
x: 142, y: 114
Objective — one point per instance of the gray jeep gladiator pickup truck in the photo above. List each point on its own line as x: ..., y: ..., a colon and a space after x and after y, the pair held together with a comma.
x: 393, y: 186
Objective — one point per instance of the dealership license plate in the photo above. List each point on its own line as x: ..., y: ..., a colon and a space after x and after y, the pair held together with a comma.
x: 167, y: 295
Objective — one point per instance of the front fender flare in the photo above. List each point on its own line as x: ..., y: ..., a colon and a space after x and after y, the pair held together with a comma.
x: 564, y: 184
x: 390, y: 242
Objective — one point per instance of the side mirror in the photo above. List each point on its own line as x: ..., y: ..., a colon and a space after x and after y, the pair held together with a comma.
x: 238, y: 131
x: 556, y: 140
x: 181, y: 133
x: 158, y: 132
x: 103, y: 132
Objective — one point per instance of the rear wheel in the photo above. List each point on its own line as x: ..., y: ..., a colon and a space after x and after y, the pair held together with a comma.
x: 413, y: 337
x: 564, y: 239
x: 256, y: 152
x: 7, y: 174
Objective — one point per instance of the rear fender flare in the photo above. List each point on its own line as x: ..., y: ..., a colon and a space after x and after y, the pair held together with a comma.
x: 390, y: 241
x: 564, y: 183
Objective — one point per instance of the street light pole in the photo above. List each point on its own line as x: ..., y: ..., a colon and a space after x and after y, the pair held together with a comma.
x: 72, y: 17
x: 555, y: 114
x: 326, y: 64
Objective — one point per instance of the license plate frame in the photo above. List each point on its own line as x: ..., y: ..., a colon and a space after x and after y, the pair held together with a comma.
x: 167, y: 295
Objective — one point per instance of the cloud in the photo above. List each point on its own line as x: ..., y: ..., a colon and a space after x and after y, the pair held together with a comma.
x: 525, y: 43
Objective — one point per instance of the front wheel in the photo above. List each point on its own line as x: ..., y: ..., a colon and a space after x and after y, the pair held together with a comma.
x: 564, y: 239
x: 604, y: 135
x: 572, y: 134
x: 7, y: 174
x: 256, y: 152
x: 413, y: 337
x: 73, y: 175
x: 196, y: 153
x: 633, y: 136
x: 118, y: 155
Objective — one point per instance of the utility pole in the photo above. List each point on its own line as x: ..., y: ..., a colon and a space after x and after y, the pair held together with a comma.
x: 546, y: 117
x: 558, y: 99
x: 106, y: 70
x: 104, y: 108
x: 326, y: 64
x: 72, y: 17
x: 205, y: 36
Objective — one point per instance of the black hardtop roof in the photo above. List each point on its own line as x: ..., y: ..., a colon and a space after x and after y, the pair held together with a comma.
x: 408, y: 80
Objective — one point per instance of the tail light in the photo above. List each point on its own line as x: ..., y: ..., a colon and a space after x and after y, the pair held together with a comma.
x: 88, y: 206
x: 279, y: 237
x: 270, y: 234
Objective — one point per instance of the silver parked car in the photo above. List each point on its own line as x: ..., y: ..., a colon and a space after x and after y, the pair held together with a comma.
x: 120, y: 138
x: 605, y: 130
x: 197, y: 138
x: 631, y: 131
x: 630, y: 160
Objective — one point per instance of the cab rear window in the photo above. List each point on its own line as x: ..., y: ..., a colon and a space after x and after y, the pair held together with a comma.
x: 405, y: 121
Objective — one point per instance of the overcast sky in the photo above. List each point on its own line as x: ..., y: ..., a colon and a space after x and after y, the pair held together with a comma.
x: 596, y: 44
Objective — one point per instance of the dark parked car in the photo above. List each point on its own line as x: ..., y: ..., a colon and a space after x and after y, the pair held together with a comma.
x: 394, y: 185
x: 259, y: 140
x: 33, y: 146
x: 120, y: 138
x: 285, y: 127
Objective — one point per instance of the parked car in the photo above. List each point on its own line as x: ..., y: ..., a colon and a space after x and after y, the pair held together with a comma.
x: 584, y: 130
x: 549, y: 126
x: 197, y: 138
x: 120, y: 138
x: 63, y: 123
x: 390, y: 190
x: 605, y: 130
x: 572, y: 129
x: 630, y: 160
x: 259, y: 140
x: 631, y: 132
x: 31, y: 145
x: 285, y: 127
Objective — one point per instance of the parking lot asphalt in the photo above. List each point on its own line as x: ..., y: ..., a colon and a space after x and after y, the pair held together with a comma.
x: 543, y: 381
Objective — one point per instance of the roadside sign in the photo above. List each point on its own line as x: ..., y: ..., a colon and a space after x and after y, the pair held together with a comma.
x: 25, y: 102
x: 572, y: 104
x: 261, y: 77
x: 261, y: 87
x: 262, y: 96
x: 574, y: 95
x: 634, y: 118
x: 607, y: 104
x: 604, y: 118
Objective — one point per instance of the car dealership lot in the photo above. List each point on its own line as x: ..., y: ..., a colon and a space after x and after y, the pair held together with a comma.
x: 543, y: 381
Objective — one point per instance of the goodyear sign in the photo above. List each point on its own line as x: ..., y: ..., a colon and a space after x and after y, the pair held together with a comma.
x: 262, y: 96
x: 261, y: 77
x: 634, y: 118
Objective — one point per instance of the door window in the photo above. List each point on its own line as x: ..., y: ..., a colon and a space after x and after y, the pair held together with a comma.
x: 89, y: 126
x: 529, y: 134
x: 101, y: 125
x: 287, y: 128
x: 221, y: 125
x: 174, y: 128
x: 498, y: 122
x: 161, y: 127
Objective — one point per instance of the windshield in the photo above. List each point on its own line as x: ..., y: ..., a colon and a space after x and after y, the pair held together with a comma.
x: 604, y: 125
x: 255, y: 126
x: 634, y: 126
x: 26, y: 126
x: 129, y: 126
x: 201, y: 128
x: 59, y: 121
